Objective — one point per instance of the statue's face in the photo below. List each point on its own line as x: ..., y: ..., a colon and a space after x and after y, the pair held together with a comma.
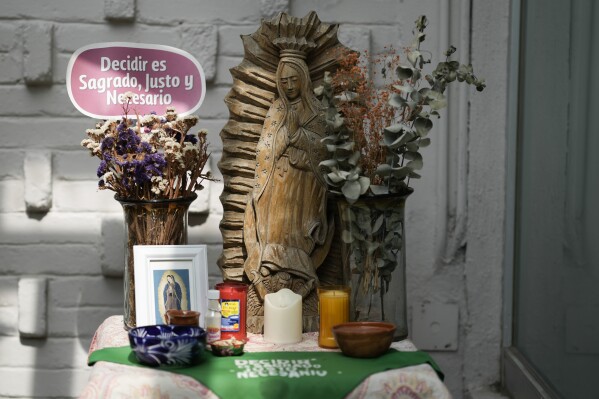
x: 290, y: 82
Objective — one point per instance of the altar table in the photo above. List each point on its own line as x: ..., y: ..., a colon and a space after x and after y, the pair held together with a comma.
x: 111, y: 380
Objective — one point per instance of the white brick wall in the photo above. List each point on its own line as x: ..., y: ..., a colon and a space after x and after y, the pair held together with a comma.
x: 38, y: 181
x: 119, y: 10
x: 33, y: 309
x: 57, y: 231
x: 37, y: 52
x: 201, y: 41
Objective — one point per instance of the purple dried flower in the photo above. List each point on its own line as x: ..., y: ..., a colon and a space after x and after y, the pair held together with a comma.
x: 127, y: 142
x: 140, y: 172
x: 191, y: 138
x: 141, y: 176
x: 145, y: 147
x: 102, y: 169
x: 155, y: 163
x: 107, y: 144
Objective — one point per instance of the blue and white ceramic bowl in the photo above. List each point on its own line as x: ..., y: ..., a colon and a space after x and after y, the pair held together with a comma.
x: 167, y: 345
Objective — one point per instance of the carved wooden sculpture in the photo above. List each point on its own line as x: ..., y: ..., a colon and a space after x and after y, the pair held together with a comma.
x: 276, y: 230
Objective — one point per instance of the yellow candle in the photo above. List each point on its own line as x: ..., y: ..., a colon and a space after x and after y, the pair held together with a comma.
x: 333, y: 307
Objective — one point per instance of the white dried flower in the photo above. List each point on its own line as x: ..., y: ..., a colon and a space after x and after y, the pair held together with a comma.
x: 149, y: 119
x: 188, y: 120
x: 91, y: 145
x: 146, y: 137
x: 170, y: 145
x: 106, y: 126
x: 189, y: 147
x: 159, y: 184
x: 128, y: 95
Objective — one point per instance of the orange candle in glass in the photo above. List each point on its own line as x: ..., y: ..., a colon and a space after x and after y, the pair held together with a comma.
x: 333, y: 307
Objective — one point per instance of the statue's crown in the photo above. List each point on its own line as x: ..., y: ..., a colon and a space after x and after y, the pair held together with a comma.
x: 295, y: 47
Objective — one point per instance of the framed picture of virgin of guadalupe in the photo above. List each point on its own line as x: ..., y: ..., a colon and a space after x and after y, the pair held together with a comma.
x: 169, y: 277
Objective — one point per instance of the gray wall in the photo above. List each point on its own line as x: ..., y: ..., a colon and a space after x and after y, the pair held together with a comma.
x: 56, y: 227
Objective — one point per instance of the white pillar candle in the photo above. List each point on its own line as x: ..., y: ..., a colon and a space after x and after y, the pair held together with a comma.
x: 283, y: 317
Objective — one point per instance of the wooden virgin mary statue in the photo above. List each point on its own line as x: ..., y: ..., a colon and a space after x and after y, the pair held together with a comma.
x: 286, y: 231
x: 276, y: 230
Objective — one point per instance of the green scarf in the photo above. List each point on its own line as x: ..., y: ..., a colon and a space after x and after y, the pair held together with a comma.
x: 280, y: 374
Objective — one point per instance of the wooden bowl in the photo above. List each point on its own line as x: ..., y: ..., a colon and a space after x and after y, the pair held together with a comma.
x: 182, y: 317
x: 364, y: 339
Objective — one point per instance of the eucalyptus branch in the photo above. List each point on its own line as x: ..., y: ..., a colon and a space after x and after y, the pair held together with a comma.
x: 366, y: 154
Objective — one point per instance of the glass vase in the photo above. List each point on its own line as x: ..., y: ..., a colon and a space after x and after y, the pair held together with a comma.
x: 374, y: 259
x: 150, y: 222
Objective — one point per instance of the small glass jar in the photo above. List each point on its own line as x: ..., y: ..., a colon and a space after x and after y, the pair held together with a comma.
x: 213, y: 317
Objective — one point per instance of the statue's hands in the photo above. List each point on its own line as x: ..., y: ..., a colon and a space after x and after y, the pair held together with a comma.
x: 292, y: 125
x: 257, y: 279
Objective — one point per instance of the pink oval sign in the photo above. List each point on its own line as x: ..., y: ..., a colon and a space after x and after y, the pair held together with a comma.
x: 101, y: 77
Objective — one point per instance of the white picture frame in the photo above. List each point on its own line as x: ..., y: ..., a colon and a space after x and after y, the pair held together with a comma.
x: 164, y: 270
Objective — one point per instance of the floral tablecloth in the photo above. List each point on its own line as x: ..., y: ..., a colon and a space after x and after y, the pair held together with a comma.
x: 111, y: 380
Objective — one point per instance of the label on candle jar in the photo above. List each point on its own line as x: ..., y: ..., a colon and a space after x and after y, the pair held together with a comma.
x: 230, y: 309
x: 213, y: 334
